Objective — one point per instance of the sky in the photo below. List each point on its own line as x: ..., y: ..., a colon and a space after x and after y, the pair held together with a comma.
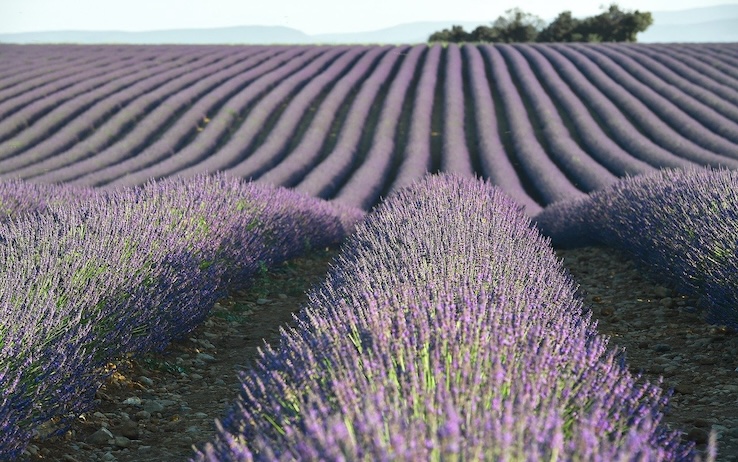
x: 309, y: 16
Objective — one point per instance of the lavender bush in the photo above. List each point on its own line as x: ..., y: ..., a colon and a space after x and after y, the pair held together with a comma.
x: 18, y: 197
x: 680, y: 224
x: 447, y: 330
x: 122, y: 272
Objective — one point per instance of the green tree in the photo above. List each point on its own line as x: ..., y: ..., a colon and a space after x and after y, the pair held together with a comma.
x: 485, y: 34
x: 562, y: 29
x: 517, y: 26
x: 615, y: 25
x: 456, y: 34
x: 612, y: 25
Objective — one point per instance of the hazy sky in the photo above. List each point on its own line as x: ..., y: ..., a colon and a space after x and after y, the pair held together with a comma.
x: 309, y: 16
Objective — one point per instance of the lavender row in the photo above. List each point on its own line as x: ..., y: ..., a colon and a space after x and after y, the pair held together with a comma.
x: 550, y: 182
x: 110, y: 274
x: 455, y: 157
x: 690, y: 118
x: 41, y: 115
x: 447, y: 330
x: 78, y: 112
x: 680, y: 224
x: 416, y: 157
x: 241, y: 138
x: 21, y: 80
x: 301, y: 158
x: 718, y: 115
x: 495, y: 163
x: 32, y: 79
x: 703, y: 56
x: 92, y: 161
x: 222, y: 124
x: 325, y: 178
x: 285, y: 133
x: 370, y: 178
x: 44, y: 108
x: 544, y: 122
x: 703, y: 75
x: 643, y: 116
x: 625, y: 133
x: 153, y: 110
x: 715, y: 56
x: 592, y: 136
x: 94, y: 128
x: 577, y: 163
x: 270, y: 152
x: 18, y: 197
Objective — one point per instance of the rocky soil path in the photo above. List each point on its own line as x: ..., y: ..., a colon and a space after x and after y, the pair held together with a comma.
x: 664, y: 335
x: 157, y: 407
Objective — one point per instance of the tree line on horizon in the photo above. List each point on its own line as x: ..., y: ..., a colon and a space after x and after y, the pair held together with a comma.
x: 612, y: 25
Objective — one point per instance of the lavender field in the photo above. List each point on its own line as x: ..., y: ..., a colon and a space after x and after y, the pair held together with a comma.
x: 447, y: 329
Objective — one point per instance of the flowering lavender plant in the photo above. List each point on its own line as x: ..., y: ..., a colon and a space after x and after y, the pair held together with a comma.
x: 679, y: 224
x: 115, y: 273
x: 447, y: 330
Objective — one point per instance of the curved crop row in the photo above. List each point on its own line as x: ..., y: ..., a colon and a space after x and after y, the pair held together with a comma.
x: 587, y: 172
x: 245, y: 135
x: 680, y: 224
x: 550, y: 182
x: 305, y: 154
x: 593, y: 136
x: 622, y: 130
x: 29, y: 123
x: 16, y: 89
x: 216, y: 132
x: 369, y: 179
x: 686, y: 117
x: 691, y: 81
x: 331, y: 172
x: 270, y: 151
x: 30, y: 83
x: 108, y: 274
x: 55, y: 102
x: 99, y: 152
x: 722, y: 61
x: 687, y: 95
x: 114, y: 140
x: 496, y: 165
x: 286, y: 134
x: 546, y: 122
x: 647, y: 120
x: 447, y: 330
x: 84, y: 101
x: 698, y: 69
x: 63, y: 148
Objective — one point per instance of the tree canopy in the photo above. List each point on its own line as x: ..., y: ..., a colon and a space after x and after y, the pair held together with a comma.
x: 612, y: 25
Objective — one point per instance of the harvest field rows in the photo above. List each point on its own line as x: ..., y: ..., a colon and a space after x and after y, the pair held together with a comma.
x: 447, y: 317
x: 544, y: 122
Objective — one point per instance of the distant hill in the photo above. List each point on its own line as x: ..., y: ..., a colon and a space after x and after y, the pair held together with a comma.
x: 415, y: 32
x: 242, y: 34
x: 707, y: 24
